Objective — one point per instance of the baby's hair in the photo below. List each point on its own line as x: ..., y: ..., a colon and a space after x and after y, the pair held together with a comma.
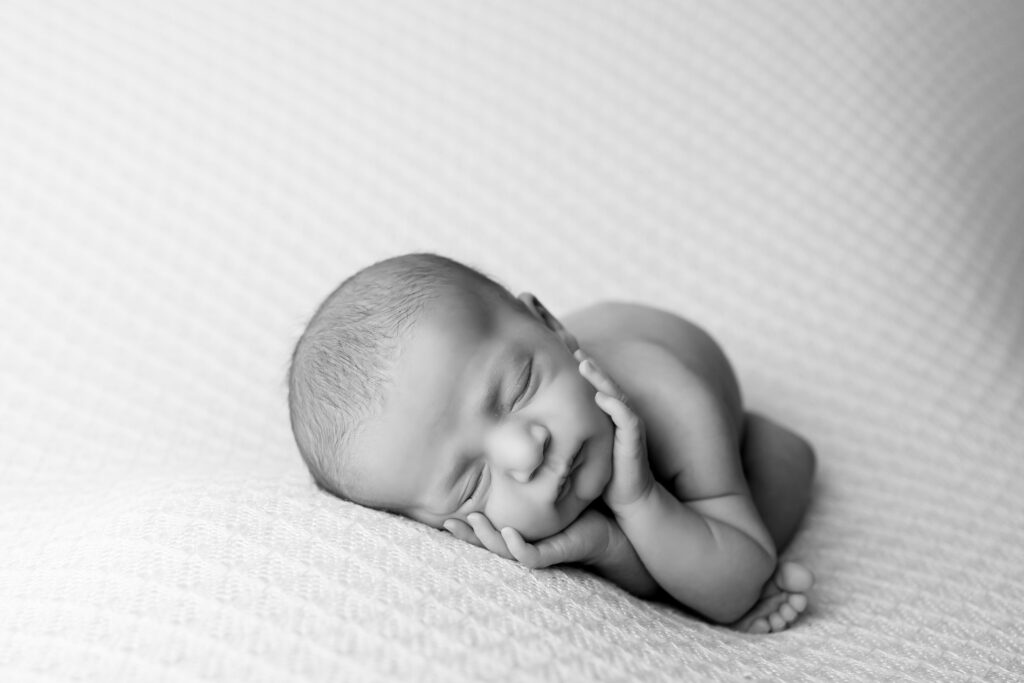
x: 342, y: 363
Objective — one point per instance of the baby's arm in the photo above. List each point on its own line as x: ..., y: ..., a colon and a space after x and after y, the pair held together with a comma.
x: 710, y: 553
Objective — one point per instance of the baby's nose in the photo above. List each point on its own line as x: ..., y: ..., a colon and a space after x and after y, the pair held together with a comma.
x: 520, y: 449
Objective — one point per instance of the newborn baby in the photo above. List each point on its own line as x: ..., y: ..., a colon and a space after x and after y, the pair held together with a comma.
x: 614, y: 438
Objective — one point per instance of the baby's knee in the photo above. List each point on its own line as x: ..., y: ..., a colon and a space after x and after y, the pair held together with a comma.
x: 803, y: 452
x: 789, y: 449
x: 799, y: 453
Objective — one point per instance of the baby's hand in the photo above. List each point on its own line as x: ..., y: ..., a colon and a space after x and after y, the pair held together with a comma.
x: 632, y: 479
x: 584, y: 540
x: 479, y: 532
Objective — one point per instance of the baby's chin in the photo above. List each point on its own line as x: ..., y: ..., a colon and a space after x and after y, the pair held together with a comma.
x: 555, y: 521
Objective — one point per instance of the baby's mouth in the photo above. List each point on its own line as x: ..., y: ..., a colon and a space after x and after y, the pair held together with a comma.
x: 574, y: 464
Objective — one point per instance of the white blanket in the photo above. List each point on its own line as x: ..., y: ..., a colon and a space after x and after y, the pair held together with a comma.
x: 835, y: 190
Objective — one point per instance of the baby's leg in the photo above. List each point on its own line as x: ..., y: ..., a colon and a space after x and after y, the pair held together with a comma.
x: 779, y: 467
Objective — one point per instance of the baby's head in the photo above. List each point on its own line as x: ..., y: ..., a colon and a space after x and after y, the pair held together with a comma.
x: 423, y: 387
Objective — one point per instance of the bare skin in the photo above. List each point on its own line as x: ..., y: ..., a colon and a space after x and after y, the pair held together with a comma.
x: 708, y: 461
x: 779, y: 468
x: 616, y: 440
x: 777, y: 464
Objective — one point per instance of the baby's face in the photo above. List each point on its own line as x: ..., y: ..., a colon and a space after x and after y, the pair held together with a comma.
x: 488, y: 413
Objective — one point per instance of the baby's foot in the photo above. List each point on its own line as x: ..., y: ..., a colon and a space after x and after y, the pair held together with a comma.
x: 782, y: 600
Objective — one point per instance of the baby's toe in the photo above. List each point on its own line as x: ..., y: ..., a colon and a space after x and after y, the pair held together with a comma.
x: 794, y: 578
x: 788, y: 613
x: 759, y: 626
x: 798, y: 602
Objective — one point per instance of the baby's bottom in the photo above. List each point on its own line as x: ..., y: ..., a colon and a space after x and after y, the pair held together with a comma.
x: 779, y: 467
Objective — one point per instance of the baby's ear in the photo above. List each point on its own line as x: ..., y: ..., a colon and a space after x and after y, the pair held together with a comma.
x: 539, y: 310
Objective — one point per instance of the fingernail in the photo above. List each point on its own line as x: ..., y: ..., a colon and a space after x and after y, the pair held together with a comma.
x: 448, y: 526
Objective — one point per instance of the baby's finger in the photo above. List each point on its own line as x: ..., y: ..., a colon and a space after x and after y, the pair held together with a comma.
x: 488, y: 535
x: 526, y: 553
x: 627, y: 423
x: 601, y: 381
x: 462, y: 531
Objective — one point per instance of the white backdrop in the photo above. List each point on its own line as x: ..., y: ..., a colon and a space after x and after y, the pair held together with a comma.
x: 833, y: 189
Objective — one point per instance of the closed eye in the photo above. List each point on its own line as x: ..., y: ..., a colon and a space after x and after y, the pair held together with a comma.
x: 524, y: 385
x: 479, y: 487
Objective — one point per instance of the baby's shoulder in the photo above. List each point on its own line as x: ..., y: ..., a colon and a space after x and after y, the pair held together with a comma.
x: 638, y: 326
x: 644, y: 346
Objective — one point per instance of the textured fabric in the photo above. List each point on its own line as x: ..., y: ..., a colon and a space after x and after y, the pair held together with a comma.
x: 833, y: 189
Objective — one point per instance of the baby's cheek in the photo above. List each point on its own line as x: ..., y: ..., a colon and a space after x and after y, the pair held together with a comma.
x: 526, y: 516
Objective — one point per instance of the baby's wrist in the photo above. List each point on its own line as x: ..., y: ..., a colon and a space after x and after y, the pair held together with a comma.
x: 638, y: 506
x: 617, y: 545
x: 600, y: 540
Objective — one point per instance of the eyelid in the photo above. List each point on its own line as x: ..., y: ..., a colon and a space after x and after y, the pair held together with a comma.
x: 478, y: 486
x: 528, y: 376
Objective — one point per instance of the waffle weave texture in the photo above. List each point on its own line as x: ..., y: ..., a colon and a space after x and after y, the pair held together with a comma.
x: 834, y: 190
